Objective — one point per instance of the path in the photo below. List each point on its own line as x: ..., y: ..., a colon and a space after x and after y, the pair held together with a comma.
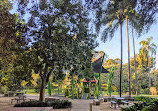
x: 77, y: 105
x: 83, y: 105
x: 85, y: 95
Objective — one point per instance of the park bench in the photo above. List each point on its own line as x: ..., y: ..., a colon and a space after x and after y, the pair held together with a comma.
x: 108, y: 99
x: 21, y: 98
x: 131, y: 99
x: 113, y: 103
x: 16, y: 99
x: 105, y: 99
x: 51, y: 99
x: 125, y: 102
x: 101, y: 100
x: 96, y: 102
x: 122, y: 106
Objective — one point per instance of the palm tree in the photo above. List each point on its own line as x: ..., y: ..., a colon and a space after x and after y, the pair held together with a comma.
x: 135, y: 66
x: 135, y: 18
x: 130, y: 14
x: 146, y: 45
x: 113, y: 16
x: 129, y: 72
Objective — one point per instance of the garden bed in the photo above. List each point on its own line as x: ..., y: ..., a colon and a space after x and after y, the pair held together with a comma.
x: 144, y: 104
x: 31, y: 109
x: 57, y: 104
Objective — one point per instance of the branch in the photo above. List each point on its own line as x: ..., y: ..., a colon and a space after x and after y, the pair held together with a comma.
x: 45, y: 70
x: 48, y: 75
x: 41, y: 75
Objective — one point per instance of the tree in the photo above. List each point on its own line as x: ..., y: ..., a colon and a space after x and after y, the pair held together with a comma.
x: 148, y: 47
x: 141, y: 19
x: 137, y: 12
x: 12, y: 40
x: 52, y: 26
x: 11, y: 31
x: 114, y: 15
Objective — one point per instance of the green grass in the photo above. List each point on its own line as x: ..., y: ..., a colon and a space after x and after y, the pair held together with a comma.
x: 148, y: 95
x: 32, y: 91
x: 55, y: 91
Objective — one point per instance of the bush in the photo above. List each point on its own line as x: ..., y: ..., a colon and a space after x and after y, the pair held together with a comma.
x: 146, y: 91
x: 148, y: 104
x: 152, y: 107
x: 31, y: 104
x: 3, y: 90
x: 58, y: 104
x: 66, y: 92
x: 86, y: 90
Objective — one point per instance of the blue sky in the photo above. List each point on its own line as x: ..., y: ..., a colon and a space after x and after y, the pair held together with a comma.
x: 112, y: 47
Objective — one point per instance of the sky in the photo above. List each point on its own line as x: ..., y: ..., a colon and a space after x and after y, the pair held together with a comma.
x: 112, y: 47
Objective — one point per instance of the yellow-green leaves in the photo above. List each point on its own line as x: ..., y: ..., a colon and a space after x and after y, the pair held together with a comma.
x: 75, y: 37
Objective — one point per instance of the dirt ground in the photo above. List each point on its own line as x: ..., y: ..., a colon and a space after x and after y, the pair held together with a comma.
x: 77, y: 105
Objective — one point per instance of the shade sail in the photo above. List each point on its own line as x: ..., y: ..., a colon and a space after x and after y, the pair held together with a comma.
x: 96, y: 66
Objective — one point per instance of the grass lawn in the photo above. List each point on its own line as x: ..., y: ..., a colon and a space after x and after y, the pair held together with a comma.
x: 148, y: 95
x: 32, y: 91
x: 55, y: 91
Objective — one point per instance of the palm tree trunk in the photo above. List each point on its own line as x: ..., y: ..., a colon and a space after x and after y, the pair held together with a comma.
x: 129, y: 72
x: 58, y: 86
x: 135, y: 66
x: 121, y: 59
x: 72, y: 87
x: 149, y: 70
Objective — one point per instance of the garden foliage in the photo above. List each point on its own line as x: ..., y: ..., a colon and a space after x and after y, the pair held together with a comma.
x: 146, y: 104
x: 58, y: 104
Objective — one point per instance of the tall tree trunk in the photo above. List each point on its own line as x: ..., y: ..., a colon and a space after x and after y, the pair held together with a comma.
x: 121, y: 59
x: 58, y: 86
x: 42, y: 90
x: 135, y: 65
x: 72, y: 87
x: 129, y: 72
x: 149, y: 70
x: 44, y: 74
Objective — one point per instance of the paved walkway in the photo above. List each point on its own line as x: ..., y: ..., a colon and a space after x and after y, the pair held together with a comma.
x: 77, y: 105
x: 83, y: 105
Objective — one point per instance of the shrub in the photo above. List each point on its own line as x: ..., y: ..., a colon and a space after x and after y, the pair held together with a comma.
x: 148, y: 104
x: 66, y: 92
x: 58, y: 104
x: 86, y: 90
x: 152, y: 107
x: 146, y: 90
x: 31, y: 104
x: 3, y: 90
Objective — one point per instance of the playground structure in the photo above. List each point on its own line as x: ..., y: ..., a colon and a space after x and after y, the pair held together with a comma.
x: 89, y: 89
